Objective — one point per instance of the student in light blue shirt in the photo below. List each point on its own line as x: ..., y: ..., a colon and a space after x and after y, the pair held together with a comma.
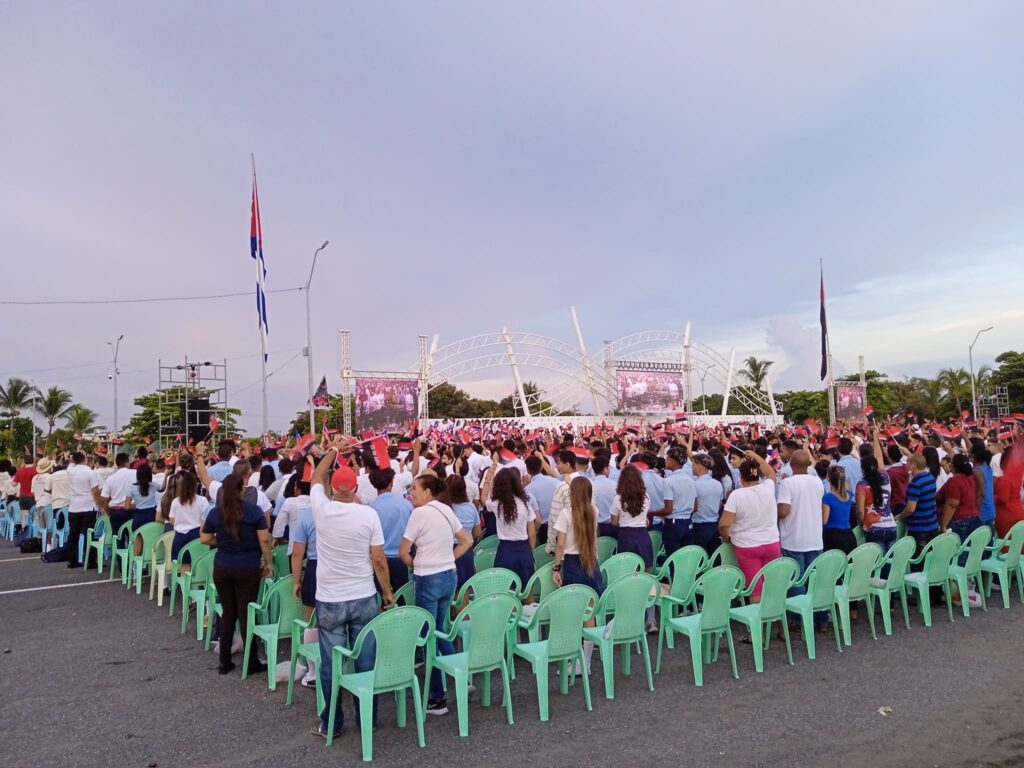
x: 542, y: 490
x: 456, y: 497
x: 709, y: 503
x: 225, y: 452
x: 850, y: 465
x: 676, y: 529
x: 394, y: 512
x: 659, y: 494
x: 604, y: 495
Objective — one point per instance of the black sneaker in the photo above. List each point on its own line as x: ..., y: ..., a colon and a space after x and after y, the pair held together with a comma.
x: 437, y: 707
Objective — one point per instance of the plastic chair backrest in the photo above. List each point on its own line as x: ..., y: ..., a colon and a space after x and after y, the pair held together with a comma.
x: 541, y: 581
x: 940, y: 551
x: 825, y: 573
x: 488, y: 542
x: 719, y: 586
x: 162, y: 548
x: 861, y: 563
x: 629, y: 596
x: 397, y: 633
x: 974, y: 546
x: 898, y: 558
x: 685, y: 565
x: 655, y: 535
x: 565, y: 610
x: 724, y: 555
x: 622, y: 564
x: 484, y: 559
x: 541, y: 557
x: 124, y: 532
x: 493, y: 581
x: 406, y: 594
x: 202, y: 570
x: 280, y: 561
x: 777, y: 577
x: 287, y: 607
x: 490, y: 617
x: 149, y: 533
x: 1015, y: 543
x: 606, y: 546
x: 195, y: 550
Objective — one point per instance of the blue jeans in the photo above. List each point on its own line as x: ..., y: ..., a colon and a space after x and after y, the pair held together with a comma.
x: 340, y: 624
x: 434, y: 594
x: 804, y: 560
x: 964, y: 528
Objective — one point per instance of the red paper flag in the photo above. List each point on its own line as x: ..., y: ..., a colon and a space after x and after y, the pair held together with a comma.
x: 214, y: 423
x: 379, y: 447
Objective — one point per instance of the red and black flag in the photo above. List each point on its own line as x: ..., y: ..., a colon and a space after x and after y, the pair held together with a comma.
x: 320, y: 397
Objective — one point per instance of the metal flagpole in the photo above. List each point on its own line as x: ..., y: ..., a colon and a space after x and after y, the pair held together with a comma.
x: 262, y: 306
x: 828, y: 358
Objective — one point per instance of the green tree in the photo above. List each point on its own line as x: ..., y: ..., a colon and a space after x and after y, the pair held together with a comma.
x: 507, y: 406
x: 802, y: 404
x: 1010, y: 374
x: 17, y: 440
x: 16, y: 396
x: 755, y: 371
x: 52, y: 406
x: 447, y: 401
x: 335, y: 417
x: 154, y: 407
x: 956, y: 383
x: 983, y: 376
x: 78, y: 420
x: 932, y: 397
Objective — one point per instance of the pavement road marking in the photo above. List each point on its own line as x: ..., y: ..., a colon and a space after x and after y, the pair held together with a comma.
x: 19, y: 559
x: 57, y: 586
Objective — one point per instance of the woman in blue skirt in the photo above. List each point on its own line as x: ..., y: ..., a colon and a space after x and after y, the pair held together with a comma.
x: 516, y: 523
x: 629, y: 513
x: 142, y: 501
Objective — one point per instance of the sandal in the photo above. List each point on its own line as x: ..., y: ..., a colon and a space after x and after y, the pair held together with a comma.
x: 315, y: 730
x: 745, y: 639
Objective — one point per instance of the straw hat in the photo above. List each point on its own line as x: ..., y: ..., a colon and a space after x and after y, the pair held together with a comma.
x: 44, y: 465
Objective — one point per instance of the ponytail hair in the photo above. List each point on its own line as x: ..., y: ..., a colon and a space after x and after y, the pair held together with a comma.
x: 231, y: 504
x: 584, y: 523
x: 837, y: 478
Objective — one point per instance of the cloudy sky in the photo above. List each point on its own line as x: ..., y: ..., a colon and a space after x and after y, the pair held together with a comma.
x: 476, y: 166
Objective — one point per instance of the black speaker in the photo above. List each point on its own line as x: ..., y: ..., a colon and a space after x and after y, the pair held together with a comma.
x: 198, y: 418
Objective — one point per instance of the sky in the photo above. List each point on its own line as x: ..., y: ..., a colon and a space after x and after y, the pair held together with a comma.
x: 476, y: 166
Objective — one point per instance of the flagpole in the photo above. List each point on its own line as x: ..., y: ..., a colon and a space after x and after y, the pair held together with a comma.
x: 263, y: 299
x: 828, y: 358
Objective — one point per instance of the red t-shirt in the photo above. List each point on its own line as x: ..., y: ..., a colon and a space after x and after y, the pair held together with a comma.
x: 959, y: 487
x: 899, y: 479
x: 23, y: 477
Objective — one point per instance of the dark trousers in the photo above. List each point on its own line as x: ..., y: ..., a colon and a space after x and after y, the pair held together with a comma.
x: 607, y: 529
x: 922, y: 538
x: 78, y: 523
x: 675, y: 534
x: 490, y: 524
x: 119, y: 516
x: 236, y: 588
x: 706, y: 535
x: 398, y: 574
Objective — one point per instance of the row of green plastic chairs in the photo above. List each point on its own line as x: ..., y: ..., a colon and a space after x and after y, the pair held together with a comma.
x: 698, y: 597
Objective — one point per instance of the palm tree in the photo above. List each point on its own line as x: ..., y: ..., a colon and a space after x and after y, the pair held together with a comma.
x: 983, y: 377
x: 931, y: 393
x: 957, y: 385
x: 17, y: 395
x: 756, y: 371
x: 79, y: 419
x: 52, y: 406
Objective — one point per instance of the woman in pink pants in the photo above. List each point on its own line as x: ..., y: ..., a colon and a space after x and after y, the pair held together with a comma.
x: 751, y: 521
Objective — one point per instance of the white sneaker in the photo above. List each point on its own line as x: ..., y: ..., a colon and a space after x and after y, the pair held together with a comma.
x: 973, y: 600
x: 308, y: 680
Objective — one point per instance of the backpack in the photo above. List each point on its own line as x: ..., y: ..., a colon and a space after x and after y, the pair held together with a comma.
x: 57, y: 555
x: 30, y: 546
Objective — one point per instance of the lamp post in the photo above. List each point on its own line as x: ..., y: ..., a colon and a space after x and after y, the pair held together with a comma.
x: 309, y: 342
x: 970, y: 359
x: 115, y: 346
x: 703, y: 397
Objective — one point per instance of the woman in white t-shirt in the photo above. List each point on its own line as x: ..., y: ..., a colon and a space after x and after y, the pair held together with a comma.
x: 296, y: 499
x: 516, y: 523
x: 430, y: 529
x: 629, y: 513
x: 751, y: 520
x: 184, y: 514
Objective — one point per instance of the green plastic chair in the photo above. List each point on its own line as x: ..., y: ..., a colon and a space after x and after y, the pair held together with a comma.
x: 936, y: 556
x: 776, y: 578
x: 281, y: 561
x: 724, y: 555
x: 119, y: 553
x: 858, y: 535
x: 622, y: 564
x: 194, y: 585
x: 541, y: 557
x: 288, y: 608
x: 406, y: 594
x: 99, y: 544
x: 540, y: 584
x: 484, y: 649
x: 606, y: 547
x: 398, y: 632
x: 897, y: 559
x: 489, y: 582
x: 656, y: 544
x: 308, y: 651
x: 719, y: 586
x: 821, y: 578
x: 488, y: 542
x: 1006, y: 565
x: 861, y: 563
x: 628, y: 598
x: 564, y: 613
x: 681, y: 570
x: 149, y: 533
x: 158, y: 565
x: 974, y: 545
x: 483, y: 559
x: 195, y: 549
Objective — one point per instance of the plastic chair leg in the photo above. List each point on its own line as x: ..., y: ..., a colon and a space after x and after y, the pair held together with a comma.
x: 608, y: 664
x: 462, y: 702
x: 540, y: 671
x: 366, y: 725
x: 697, y: 657
x: 271, y: 663
x: 843, y: 608
x: 417, y: 706
x: 757, y: 643
x: 785, y: 633
x: 507, y: 691
x: 807, y: 624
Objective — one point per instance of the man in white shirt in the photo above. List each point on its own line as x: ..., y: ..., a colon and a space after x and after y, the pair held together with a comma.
x: 801, y: 519
x: 84, y: 500
x: 350, y: 551
x: 565, y: 466
x: 115, y: 491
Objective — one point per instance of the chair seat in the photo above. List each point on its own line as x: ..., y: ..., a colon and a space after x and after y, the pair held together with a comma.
x: 266, y: 631
x: 957, y: 570
x: 799, y: 603
x: 452, y: 661
x: 685, y: 624
x: 358, y: 683
x: 843, y: 593
x: 993, y: 565
x: 746, y: 613
x: 309, y: 651
x: 918, y: 579
x: 532, y: 652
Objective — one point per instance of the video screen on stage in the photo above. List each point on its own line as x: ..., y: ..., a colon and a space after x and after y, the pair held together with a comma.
x: 649, y: 391
x: 851, y: 399
x: 386, y: 404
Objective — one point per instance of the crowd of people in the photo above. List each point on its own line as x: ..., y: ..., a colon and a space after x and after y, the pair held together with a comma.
x: 359, y: 524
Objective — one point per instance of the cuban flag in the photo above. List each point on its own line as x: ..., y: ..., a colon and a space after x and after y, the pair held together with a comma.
x: 256, y: 249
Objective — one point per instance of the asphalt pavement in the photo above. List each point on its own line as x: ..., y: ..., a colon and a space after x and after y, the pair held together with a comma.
x: 97, y: 676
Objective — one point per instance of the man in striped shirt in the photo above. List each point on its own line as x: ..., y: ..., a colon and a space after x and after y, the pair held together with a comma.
x: 921, y: 512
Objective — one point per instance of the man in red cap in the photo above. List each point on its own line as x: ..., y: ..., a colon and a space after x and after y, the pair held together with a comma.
x: 350, y: 551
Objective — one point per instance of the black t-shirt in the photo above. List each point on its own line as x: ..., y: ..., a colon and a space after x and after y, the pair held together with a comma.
x: 241, y: 552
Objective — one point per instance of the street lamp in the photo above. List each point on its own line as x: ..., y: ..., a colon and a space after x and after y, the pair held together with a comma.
x: 309, y: 342
x: 115, y: 346
x: 970, y: 358
x: 703, y: 397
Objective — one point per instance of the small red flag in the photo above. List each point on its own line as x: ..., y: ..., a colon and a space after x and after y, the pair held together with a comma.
x: 214, y: 423
x: 379, y: 446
